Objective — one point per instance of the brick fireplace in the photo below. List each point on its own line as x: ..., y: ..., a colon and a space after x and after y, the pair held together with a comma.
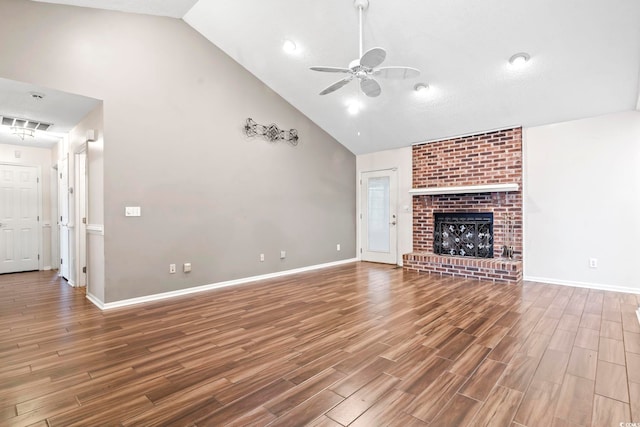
x: 478, y: 174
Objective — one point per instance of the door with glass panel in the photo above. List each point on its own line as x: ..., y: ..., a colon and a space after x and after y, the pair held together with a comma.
x: 378, y: 216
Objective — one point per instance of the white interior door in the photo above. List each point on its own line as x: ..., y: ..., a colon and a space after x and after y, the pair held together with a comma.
x: 63, y: 211
x: 379, y: 216
x: 19, y: 228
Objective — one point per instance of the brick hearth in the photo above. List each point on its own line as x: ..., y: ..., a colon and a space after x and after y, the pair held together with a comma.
x: 496, y: 269
x: 488, y: 158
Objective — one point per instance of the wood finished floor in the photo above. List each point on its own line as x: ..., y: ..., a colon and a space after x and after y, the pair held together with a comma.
x: 358, y: 345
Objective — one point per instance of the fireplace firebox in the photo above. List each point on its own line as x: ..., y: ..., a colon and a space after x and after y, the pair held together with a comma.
x: 463, y: 234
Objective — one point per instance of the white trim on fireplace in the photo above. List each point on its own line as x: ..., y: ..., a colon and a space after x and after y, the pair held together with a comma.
x: 465, y: 189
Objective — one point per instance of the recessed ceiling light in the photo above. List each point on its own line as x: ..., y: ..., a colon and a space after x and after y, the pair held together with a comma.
x: 421, y: 88
x: 289, y: 46
x: 353, y: 108
x: 519, y: 59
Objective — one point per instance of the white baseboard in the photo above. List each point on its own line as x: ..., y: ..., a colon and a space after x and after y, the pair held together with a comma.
x: 46, y: 268
x: 95, y: 301
x: 70, y: 283
x: 638, y: 314
x: 181, y: 292
x: 598, y: 286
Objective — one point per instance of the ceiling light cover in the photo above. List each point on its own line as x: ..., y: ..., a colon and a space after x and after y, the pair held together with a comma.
x: 353, y: 108
x: 289, y: 46
x: 421, y: 88
x: 519, y: 59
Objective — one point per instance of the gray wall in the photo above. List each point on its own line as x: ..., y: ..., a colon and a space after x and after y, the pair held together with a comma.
x: 174, y: 106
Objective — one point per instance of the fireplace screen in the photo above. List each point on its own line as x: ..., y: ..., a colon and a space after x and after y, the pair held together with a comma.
x: 464, y: 234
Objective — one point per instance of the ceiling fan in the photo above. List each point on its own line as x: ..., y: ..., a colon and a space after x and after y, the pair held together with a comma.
x: 366, y: 67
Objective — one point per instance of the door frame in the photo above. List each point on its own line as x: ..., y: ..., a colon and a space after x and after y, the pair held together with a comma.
x: 392, y: 202
x: 54, y: 262
x: 39, y: 208
x: 81, y: 181
x: 63, y: 199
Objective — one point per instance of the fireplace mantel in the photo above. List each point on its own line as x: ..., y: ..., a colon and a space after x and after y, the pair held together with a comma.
x: 465, y: 189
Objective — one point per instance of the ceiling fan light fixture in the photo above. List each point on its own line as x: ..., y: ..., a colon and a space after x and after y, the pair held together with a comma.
x: 289, y: 46
x: 519, y: 59
x: 366, y: 69
x: 22, y: 132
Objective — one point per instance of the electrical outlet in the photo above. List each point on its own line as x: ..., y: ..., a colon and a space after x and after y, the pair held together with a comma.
x: 338, y: 247
x: 283, y: 254
x: 593, y: 262
x: 172, y: 268
x: 261, y: 257
x: 186, y: 267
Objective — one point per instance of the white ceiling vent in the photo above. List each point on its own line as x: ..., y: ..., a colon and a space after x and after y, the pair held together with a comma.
x: 25, y: 123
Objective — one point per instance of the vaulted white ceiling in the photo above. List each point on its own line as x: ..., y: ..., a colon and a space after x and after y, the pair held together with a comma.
x: 585, y: 60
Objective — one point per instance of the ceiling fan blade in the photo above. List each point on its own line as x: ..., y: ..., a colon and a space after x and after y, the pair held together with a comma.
x: 373, y: 57
x: 396, y: 72
x: 370, y: 87
x: 331, y: 69
x: 337, y: 85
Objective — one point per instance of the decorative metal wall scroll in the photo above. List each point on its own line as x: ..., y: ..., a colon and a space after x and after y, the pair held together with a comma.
x: 271, y: 132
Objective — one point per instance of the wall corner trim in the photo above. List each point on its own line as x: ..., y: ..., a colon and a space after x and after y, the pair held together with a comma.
x: 95, y: 301
x: 575, y: 284
x: 202, y: 288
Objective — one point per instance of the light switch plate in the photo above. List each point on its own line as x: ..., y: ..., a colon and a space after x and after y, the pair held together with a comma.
x: 132, y: 211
